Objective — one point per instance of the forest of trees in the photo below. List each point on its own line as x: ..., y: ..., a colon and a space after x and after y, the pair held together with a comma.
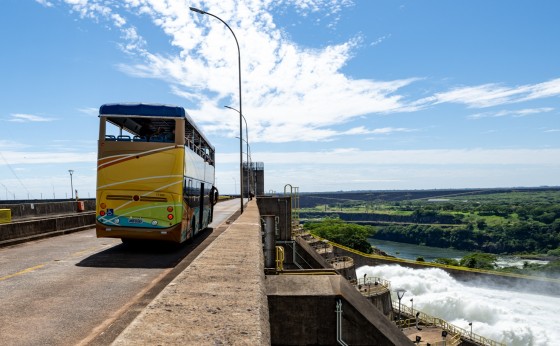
x: 511, y: 222
x: 520, y: 237
x: 347, y: 234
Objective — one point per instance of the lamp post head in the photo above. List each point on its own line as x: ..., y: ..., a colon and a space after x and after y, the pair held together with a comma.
x: 197, y: 10
x: 400, y: 292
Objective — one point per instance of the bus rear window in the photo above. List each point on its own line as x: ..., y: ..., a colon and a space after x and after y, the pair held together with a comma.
x: 140, y: 129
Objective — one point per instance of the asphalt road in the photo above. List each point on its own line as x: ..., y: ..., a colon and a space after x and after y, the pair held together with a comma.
x: 77, y: 289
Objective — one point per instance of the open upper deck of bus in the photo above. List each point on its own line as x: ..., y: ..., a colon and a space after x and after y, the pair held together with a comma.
x: 142, y: 119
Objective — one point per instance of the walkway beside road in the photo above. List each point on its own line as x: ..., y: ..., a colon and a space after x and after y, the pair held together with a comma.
x: 220, y: 299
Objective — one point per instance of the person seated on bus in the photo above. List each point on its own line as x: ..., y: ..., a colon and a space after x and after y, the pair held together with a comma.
x: 169, y: 136
x: 157, y: 136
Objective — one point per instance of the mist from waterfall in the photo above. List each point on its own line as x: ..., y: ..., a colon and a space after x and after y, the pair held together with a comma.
x: 506, y: 315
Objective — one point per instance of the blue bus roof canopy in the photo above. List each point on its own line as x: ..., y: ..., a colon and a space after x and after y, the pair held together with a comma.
x: 142, y: 109
x: 142, y: 119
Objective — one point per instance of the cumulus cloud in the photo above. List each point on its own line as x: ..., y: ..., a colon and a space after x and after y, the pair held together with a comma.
x: 284, y: 86
x: 289, y: 92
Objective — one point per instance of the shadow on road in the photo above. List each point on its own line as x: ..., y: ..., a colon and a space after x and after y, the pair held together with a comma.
x: 148, y: 254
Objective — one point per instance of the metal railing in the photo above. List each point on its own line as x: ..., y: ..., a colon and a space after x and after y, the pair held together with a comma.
x: 375, y: 281
x: 428, y: 320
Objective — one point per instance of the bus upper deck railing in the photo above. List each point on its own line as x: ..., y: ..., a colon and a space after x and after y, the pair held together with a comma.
x: 159, y: 139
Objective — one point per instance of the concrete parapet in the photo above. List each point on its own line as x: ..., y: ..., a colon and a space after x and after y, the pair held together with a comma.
x: 303, y: 312
x: 30, y: 209
x: 20, y: 231
x: 220, y: 299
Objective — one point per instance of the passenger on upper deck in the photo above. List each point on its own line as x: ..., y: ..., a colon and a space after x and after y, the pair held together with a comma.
x: 169, y: 136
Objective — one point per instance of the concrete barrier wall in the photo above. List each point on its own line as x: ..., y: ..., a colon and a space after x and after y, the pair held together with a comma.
x: 32, y: 209
x: 303, y: 312
x: 19, y: 231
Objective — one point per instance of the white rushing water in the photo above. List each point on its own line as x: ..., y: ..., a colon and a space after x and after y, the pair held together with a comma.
x: 509, y: 316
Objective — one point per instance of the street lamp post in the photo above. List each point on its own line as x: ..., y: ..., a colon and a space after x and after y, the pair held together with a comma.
x: 400, y: 294
x: 240, y: 103
x: 470, y: 324
x: 247, y: 142
x: 71, y: 171
x: 412, y: 305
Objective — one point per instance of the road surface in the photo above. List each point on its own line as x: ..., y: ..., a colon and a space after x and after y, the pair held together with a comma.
x: 75, y: 289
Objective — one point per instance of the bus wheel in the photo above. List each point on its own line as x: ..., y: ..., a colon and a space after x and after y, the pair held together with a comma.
x: 214, y: 195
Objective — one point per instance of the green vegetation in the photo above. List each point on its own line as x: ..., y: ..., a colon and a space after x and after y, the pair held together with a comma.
x: 347, y: 234
x: 479, y: 260
x: 500, y: 222
x: 488, y: 262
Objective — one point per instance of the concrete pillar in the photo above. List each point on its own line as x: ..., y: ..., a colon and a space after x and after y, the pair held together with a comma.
x: 269, y: 241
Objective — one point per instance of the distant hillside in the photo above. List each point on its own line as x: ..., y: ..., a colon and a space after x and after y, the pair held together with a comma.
x: 311, y: 200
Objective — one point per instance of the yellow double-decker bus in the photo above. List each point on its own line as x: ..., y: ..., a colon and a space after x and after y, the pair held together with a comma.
x: 155, y: 174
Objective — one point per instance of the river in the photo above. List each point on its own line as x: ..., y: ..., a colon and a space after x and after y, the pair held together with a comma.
x: 412, y: 251
x: 510, y: 316
x: 429, y: 253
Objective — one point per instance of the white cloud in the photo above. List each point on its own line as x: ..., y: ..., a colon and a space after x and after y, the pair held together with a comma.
x: 439, y: 157
x: 489, y: 95
x: 91, y: 111
x: 290, y: 93
x: 283, y: 85
x: 24, y: 118
x: 380, y: 39
x: 361, y: 130
x: 7, y: 144
x: 45, y: 3
x: 31, y: 158
x: 513, y: 113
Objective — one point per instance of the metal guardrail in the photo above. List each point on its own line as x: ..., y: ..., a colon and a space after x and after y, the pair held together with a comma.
x: 372, y: 280
x: 428, y: 320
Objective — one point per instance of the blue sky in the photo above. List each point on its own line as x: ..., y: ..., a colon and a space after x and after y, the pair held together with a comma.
x: 338, y: 94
